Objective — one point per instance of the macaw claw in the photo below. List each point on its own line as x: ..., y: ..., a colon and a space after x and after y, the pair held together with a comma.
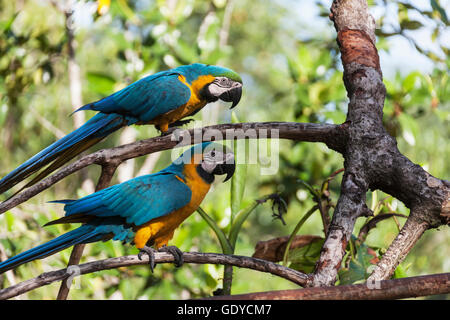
x: 151, y: 256
x: 180, y: 123
x: 177, y: 254
x: 173, y: 127
x: 169, y: 131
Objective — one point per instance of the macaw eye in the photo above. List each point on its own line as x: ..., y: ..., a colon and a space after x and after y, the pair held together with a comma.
x: 213, y: 153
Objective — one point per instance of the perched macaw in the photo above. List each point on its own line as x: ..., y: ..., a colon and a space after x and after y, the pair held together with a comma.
x: 145, y: 210
x: 162, y: 99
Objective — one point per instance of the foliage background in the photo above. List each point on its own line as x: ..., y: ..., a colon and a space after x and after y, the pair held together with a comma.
x: 285, y: 51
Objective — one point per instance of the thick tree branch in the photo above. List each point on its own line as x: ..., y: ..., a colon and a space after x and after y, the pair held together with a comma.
x: 160, y: 257
x: 372, y: 159
x: 387, y: 289
x: 334, y: 136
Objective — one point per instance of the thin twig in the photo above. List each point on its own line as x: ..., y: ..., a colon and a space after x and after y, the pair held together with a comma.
x: 372, y: 223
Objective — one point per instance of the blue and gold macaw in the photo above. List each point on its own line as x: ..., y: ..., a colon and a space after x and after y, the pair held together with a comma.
x: 145, y: 210
x: 162, y: 99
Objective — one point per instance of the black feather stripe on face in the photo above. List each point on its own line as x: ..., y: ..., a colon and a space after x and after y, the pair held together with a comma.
x: 206, y: 176
x: 204, y: 92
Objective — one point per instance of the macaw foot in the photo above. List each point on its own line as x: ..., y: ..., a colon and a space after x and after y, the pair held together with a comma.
x: 177, y: 254
x: 180, y: 123
x: 172, y: 129
x: 151, y: 256
x: 168, y: 131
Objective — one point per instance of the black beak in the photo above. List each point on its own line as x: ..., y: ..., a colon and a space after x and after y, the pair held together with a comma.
x: 225, y: 168
x: 232, y: 95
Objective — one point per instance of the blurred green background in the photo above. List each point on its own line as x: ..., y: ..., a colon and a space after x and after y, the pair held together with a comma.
x: 287, y: 54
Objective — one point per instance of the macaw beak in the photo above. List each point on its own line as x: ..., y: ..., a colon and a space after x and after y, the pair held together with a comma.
x: 233, y: 94
x: 228, y: 167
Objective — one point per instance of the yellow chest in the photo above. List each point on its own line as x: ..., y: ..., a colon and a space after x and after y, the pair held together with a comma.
x: 160, y: 230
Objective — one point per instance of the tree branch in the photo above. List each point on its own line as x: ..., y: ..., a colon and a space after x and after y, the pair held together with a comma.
x: 402, y: 244
x: 160, y: 257
x: 334, y: 136
x: 77, y: 251
x: 387, y: 289
x: 372, y: 159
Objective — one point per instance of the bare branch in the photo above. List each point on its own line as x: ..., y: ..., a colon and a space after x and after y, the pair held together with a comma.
x: 397, y: 251
x: 332, y: 135
x: 387, y: 289
x: 372, y: 159
x: 160, y: 257
x: 77, y: 251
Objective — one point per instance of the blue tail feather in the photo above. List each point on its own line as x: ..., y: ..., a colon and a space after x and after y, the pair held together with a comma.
x: 97, y: 230
x: 62, y: 201
x: 81, y: 235
x: 97, y: 127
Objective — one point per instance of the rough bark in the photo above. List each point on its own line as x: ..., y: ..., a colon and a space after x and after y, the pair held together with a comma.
x: 372, y: 159
x: 333, y: 136
x: 383, y: 290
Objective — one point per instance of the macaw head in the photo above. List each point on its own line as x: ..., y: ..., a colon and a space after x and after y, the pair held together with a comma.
x: 217, y: 83
x: 209, y: 159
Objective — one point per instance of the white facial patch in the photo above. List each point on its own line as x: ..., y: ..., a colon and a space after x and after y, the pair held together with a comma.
x: 219, y: 86
x: 209, y: 165
x: 215, y: 157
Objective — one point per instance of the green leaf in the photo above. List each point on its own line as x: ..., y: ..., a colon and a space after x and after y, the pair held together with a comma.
x: 101, y: 83
x: 436, y: 6
x: 305, y: 258
x: 9, y: 217
x: 363, y: 256
x: 410, y: 81
x: 411, y: 24
x: 400, y: 272
x: 358, y: 266
x: 5, y: 26
x: 351, y: 275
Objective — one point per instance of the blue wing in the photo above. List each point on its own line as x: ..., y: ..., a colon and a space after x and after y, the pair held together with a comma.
x: 138, y: 200
x: 147, y: 98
